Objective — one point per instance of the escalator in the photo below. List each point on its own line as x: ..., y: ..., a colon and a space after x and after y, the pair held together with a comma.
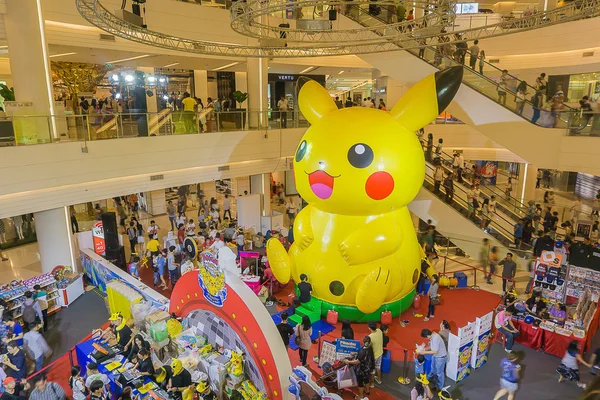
x: 476, y: 103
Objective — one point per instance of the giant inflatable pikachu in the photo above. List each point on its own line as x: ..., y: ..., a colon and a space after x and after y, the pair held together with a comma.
x: 358, y: 168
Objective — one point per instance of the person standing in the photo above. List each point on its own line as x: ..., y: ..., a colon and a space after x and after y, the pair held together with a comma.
x: 347, y: 331
x: 153, y: 230
x: 348, y: 102
x: 305, y: 289
x: 227, y: 207
x: 77, y: 383
x: 449, y: 188
x: 493, y: 260
x: 474, y: 53
x: 41, y: 296
x: 172, y: 266
x: 438, y: 177
x: 484, y: 252
x: 171, y: 211
x: 432, y: 293
x: 338, y: 102
x: 429, y: 147
x: 509, y: 377
x: 481, y: 61
x: 189, y: 109
x: 509, y: 270
x: 14, y: 361
x: 376, y: 337
x: 502, y: 84
x: 285, y: 329
x: 14, y: 390
x: 74, y: 223
x: 282, y: 106
x: 303, y: 339
x: 364, y: 363
x: 518, y: 233
x: 132, y: 236
x: 31, y: 310
x: 45, y: 390
x: 437, y: 348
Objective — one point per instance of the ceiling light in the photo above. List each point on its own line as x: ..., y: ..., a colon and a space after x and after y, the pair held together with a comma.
x: 61, y: 55
x: 118, y: 96
x: 72, y: 26
x: 129, y: 78
x: 151, y: 79
x: 161, y: 80
x: 127, y: 59
x: 307, y: 70
x: 165, y: 97
x: 226, y: 66
x: 4, y: 47
x: 170, y: 65
x: 115, y: 77
x: 341, y: 72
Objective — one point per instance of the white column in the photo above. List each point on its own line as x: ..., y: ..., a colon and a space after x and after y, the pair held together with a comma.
x: 257, y: 91
x: 527, y: 179
x: 29, y: 60
x: 54, y: 238
x: 201, y: 84
x: 151, y: 102
x: 261, y: 184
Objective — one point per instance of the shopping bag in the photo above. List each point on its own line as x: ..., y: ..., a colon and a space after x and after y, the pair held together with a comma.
x: 346, y: 378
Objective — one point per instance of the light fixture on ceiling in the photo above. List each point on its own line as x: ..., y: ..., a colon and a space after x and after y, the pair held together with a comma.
x: 161, y: 80
x: 62, y: 55
x: 129, y: 78
x: 118, y: 96
x: 170, y: 65
x: 115, y: 77
x: 151, y: 79
x: 307, y: 70
x: 3, y: 47
x: 165, y: 97
x: 128, y: 59
x: 226, y: 66
x: 341, y: 72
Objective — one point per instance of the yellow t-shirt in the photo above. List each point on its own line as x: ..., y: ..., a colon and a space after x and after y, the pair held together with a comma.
x: 188, y: 104
x: 377, y: 343
x: 152, y: 245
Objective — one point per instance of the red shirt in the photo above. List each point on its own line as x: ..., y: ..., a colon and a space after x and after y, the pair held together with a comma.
x: 180, y: 235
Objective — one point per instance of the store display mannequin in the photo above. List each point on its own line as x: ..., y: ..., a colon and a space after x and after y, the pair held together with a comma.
x: 18, y: 221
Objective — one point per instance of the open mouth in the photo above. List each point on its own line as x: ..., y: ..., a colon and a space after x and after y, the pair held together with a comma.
x: 321, y: 183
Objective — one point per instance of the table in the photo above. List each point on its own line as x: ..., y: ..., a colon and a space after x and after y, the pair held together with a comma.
x: 252, y: 281
x: 529, y: 335
x: 83, y: 351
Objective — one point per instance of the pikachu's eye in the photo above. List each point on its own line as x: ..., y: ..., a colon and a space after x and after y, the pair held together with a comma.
x: 360, y: 155
x: 301, y: 151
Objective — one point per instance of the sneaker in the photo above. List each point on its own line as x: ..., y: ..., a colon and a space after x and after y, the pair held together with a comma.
x: 425, y: 319
x: 489, y: 282
x: 508, y: 351
x: 377, y: 381
x: 582, y: 385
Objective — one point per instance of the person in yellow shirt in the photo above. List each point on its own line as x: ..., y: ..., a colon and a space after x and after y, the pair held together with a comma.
x: 189, y: 110
x: 377, y: 344
x: 153, y: 246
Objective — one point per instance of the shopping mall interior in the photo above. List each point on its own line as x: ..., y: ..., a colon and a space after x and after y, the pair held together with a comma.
x: 170, y: 167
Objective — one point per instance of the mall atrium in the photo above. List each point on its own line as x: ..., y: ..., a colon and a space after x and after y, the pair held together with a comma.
x: 307, y: 199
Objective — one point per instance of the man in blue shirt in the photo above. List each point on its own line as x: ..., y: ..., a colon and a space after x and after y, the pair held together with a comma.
x: 518, y: 229
x: 161, y: 263
x: 15, y: 332
x: 14, y: 361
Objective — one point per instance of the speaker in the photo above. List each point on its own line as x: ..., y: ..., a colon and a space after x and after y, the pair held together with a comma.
x: 283, y: 34
x: 117, y: 257
x: 332, y: 15
x: 111, y: 235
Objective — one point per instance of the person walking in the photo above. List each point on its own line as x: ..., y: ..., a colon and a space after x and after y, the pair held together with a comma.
x: 474, y: 53
x: 432, y: 293
x: 509, y: 377
x: 493, y: 261
x: 303, y: 339
x: 437, y: 349
x: 509, y: 270
x: 569, y: 365
x: 74, y: 223
x: 484, y: 256
x: 36, y: 346
x: 44, y: 390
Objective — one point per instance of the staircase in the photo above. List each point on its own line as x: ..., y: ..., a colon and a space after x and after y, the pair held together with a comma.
x: 312, y: 309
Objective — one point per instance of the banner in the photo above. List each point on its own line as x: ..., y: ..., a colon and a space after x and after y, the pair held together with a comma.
x: 345, y: 347
x: 460, y: 348
x: 481, y: 343
x: 98, y: 237
x: 488, y: 171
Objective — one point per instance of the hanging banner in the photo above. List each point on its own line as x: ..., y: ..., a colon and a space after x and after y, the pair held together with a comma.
x: 481, y: 340
x: 98, y: 237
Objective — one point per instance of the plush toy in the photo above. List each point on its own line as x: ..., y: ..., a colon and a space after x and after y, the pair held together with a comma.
x: 236, y: 364
x: 358, y: 168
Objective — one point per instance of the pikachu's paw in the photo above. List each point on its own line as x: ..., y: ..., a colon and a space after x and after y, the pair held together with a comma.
x: 279, y: 260
x: 304, y: 241
x: 373, y: 290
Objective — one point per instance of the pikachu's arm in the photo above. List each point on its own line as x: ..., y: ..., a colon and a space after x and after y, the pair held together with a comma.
x: 303, y: 232
x: 377, y: 239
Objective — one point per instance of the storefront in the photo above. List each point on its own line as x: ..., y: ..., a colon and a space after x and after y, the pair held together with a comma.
x: 285, y: 85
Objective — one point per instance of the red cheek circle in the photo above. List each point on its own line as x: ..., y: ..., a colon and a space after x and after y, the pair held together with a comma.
x: 379, y: 185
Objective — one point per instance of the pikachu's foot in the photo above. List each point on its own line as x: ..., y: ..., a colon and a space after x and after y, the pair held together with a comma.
x: 279, y: 260
x: 373, y: 290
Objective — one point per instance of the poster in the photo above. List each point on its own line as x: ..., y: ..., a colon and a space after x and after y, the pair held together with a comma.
x: 481, y: 342
x: 488, y: 171
x: 345, y: 347
x: 328, y: 354
x: 98, y: 237
x: 460, y: 350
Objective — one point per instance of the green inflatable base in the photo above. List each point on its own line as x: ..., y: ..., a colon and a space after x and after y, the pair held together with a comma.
x: 351, y: 313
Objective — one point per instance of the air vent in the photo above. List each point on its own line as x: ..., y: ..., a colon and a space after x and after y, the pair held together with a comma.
x: 223, y: 168
x: 108, y: 38
x: 494, y: 61
x: 157, y: 177
x: 588, y: 53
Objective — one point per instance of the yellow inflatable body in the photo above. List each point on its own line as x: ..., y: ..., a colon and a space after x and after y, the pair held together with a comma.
x: 358, y: 168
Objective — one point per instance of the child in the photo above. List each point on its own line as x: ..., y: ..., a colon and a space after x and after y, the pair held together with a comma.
x: 133, y: 268
x: 386, y: 339
x: 569, y: 368
x: 510, y: 377
x: 419, y: 365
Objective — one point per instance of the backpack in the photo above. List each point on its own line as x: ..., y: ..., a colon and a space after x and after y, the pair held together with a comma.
x: 29, y: 314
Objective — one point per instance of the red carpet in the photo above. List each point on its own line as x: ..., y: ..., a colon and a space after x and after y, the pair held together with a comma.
x: 458, y: 306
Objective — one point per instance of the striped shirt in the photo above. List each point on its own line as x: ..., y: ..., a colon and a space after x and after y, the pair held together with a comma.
x: 53, y: 391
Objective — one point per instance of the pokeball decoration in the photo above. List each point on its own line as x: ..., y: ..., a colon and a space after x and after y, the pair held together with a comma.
x: 190, y: 247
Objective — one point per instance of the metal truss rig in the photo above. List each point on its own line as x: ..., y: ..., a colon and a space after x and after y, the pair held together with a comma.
x: 375, y: 40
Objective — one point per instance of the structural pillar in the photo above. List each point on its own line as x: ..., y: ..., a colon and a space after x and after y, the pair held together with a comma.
x: 261, y: 184
x: 151, y: 101
x: 257, y: 91
x: 29, y: 62
x: 54, y: 238
x: 201, y: 85
x: 526, y: 184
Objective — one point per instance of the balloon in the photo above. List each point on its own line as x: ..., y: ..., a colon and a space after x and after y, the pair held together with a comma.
x: 358, y: 168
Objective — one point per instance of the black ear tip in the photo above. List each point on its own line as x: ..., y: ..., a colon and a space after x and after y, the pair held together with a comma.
x: 447, y: 83
x: 301, y: 82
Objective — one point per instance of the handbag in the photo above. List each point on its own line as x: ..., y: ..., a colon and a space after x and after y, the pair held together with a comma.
x: 346, y: 378
x: 435, y: 300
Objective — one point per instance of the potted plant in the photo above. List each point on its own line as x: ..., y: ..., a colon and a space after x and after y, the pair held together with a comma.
x: 239, y: 98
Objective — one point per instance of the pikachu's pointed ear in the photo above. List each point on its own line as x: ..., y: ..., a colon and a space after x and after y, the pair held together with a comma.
x: 427, y: 98
x: 313, y: 99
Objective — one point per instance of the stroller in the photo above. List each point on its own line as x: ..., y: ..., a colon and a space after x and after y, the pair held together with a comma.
x: 329, y: 377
